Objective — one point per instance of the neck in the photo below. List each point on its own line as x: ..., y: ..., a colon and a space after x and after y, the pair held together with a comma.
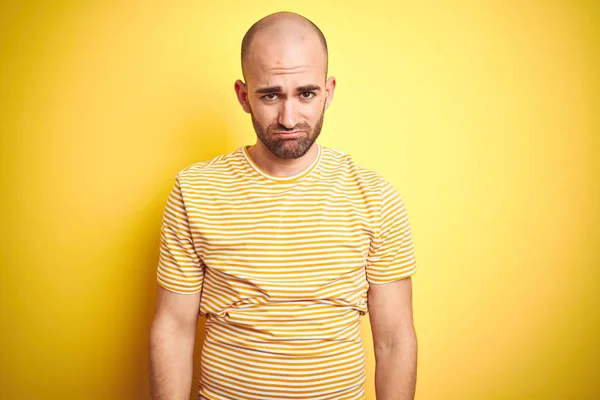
x: 281, y: 167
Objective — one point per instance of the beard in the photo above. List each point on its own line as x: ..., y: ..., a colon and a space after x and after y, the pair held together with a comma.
x: 288, y: 148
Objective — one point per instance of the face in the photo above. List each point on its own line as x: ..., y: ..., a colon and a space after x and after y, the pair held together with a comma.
x: 286, y: 94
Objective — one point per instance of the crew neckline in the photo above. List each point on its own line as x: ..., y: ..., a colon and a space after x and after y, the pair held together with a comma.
x: 283, y: 179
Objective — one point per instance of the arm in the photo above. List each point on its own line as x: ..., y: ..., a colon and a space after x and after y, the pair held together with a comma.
x: 394, y: 339
x: 180, y: 275
x: 172, y: 338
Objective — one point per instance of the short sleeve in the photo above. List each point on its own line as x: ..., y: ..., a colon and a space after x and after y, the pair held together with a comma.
x: 180, y: 269
x: 391, y: 255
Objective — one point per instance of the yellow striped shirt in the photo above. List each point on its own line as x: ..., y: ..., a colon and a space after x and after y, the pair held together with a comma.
x: 284, y: 265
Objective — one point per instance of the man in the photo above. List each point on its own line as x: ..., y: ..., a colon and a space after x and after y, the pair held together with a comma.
x: 283, y: 246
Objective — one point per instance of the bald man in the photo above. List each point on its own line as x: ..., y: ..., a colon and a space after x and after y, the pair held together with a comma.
x: 283, y: 246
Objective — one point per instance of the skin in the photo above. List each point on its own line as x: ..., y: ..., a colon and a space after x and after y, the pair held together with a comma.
x: 172, y: 341
x: 286, y: 90
x: 394, y: 339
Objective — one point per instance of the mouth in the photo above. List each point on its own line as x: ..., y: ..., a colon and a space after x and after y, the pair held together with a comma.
x: 289, y: 135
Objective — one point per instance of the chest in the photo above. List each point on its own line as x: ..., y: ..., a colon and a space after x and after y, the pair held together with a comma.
x: 284, y: 233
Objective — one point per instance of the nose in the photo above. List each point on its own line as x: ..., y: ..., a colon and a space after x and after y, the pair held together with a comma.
x: 287, y: 114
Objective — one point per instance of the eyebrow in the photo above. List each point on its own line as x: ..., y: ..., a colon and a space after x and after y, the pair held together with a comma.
x: 276, y: 89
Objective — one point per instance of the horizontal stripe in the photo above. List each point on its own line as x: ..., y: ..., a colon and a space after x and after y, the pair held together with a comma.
x: 283, y: 265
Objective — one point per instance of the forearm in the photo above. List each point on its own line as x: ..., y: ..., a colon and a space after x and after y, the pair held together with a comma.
x: 396, y: 369
x: 171, y: 361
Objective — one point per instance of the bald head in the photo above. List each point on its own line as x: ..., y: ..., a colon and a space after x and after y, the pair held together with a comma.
x: 281, y: 28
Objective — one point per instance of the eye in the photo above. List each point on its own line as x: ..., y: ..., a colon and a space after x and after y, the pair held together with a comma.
x: 307, y: 95
x: 269, y: 96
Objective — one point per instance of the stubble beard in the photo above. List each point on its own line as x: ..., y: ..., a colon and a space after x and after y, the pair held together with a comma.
x: 288, y: 148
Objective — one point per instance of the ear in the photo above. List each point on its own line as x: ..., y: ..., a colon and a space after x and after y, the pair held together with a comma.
x: 241, y: 91
x: 329, y: 89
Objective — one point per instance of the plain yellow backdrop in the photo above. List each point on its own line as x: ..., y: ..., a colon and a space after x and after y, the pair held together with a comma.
x: 483, y: 114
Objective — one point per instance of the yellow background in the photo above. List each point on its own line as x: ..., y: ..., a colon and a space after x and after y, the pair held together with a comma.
x: 483, y: 114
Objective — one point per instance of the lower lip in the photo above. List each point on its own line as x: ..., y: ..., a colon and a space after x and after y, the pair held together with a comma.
x: 288, y: 135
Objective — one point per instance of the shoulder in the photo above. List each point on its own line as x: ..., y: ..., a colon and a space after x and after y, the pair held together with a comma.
x: 218, y: 167
x: 344, y: 165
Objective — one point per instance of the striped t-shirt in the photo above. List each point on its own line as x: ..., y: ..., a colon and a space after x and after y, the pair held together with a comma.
x: 284, y: 265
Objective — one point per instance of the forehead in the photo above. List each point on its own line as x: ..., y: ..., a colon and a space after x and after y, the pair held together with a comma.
x: 285, y: 61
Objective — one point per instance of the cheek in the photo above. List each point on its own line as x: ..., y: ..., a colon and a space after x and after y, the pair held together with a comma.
x: 315, y: 110
x: 265, y: 115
